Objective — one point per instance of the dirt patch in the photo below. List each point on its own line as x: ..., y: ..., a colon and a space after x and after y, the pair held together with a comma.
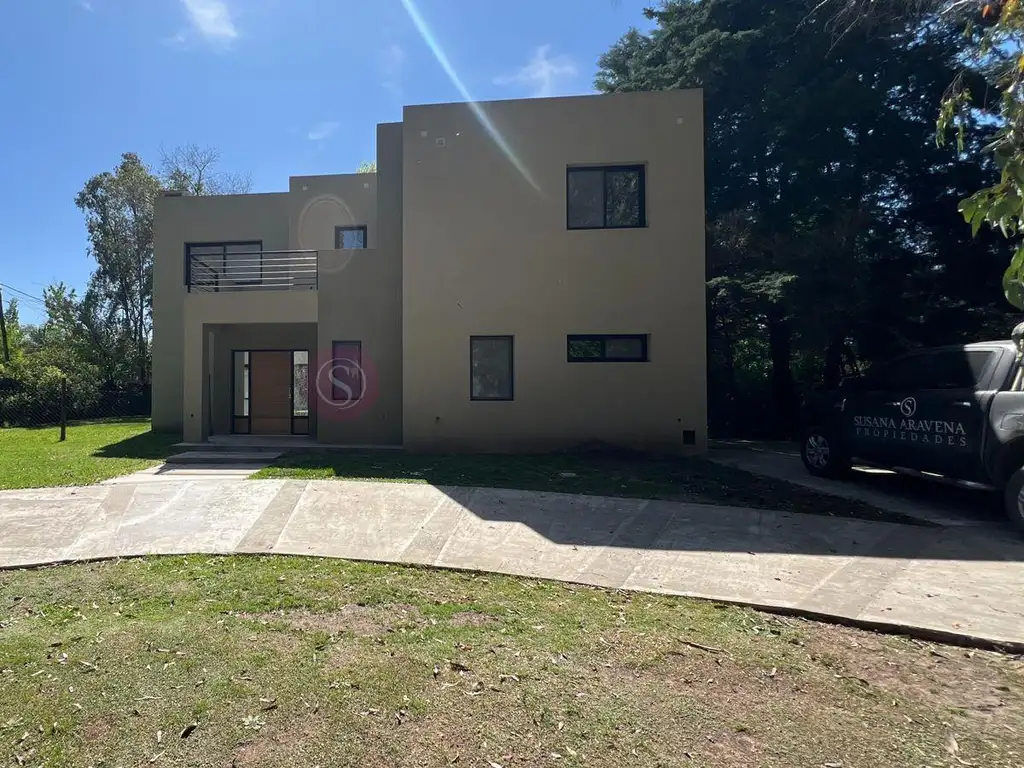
x: 472, y: 619
x: 281, y: 744
x: 360, y: 620
x: 959, y: 679
x: 99, y: 728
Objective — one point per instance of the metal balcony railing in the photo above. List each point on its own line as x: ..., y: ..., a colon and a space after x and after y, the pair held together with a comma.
x: 251, y: 271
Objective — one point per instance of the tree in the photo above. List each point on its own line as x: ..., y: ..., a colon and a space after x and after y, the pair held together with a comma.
x: 190, y: 170
x: 994, y: 29
x: 365, y: 167
x: 118, y: 210
x: 830, y: 240
x: 13, y: 332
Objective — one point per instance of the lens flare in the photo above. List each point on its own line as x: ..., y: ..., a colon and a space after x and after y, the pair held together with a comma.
x: 435, y: 47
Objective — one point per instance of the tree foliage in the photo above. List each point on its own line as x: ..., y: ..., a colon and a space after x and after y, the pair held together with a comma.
x: 367, y: 167
x: 98, y: 340
x: 192, y: 170
x: 833, y: 238
x: 994, y: 29
x: 118, y: 208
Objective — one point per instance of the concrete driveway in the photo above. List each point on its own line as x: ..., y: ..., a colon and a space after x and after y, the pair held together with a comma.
x: 953, y: 583
x: 915, y: 497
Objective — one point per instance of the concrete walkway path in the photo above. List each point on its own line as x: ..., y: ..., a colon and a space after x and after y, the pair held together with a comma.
x: 913, y: 497
x: 955, y: 583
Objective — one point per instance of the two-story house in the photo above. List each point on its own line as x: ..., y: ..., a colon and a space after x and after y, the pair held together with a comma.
x: 517, y: 275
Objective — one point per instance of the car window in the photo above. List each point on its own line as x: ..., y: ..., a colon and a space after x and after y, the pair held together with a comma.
x: 945, y: 369
x: 959, y: 369
x: 899, y: 374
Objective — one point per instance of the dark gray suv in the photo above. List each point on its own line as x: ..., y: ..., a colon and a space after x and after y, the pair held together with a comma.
x: 951, y: 413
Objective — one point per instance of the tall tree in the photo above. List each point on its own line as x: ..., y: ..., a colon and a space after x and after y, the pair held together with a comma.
x: 192, y: 170
x: 823, y: 181
x: 118, y: 208
x: 995, y: 31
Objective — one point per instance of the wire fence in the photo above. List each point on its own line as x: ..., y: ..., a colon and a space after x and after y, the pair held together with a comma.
x: 61, y: 405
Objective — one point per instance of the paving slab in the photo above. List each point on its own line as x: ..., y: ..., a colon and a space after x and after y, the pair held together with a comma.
x: 953, y: 583
x: 226, y: 470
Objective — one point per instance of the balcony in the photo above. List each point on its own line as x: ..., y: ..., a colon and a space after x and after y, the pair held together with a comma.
x: 219, y: 269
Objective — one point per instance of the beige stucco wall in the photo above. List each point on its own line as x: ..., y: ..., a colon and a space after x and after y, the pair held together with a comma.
x: 318, y: 204
x: 181, y: 220
x: 359, y: 299
x: 487, y: 251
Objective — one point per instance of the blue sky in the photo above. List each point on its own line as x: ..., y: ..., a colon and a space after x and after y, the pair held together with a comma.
x: 280, y: 87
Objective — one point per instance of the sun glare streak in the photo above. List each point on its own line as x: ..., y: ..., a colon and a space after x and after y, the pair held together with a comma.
x: 428, y: 37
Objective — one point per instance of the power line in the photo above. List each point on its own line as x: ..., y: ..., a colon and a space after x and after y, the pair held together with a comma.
x: 26, y: 295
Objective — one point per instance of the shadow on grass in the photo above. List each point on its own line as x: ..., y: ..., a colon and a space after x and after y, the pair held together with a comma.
x: 148, y: 445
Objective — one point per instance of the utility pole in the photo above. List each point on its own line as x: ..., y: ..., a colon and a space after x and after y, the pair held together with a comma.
x: 3, y: 330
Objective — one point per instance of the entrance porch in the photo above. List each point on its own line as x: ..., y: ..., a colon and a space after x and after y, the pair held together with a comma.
x: 257, y: 380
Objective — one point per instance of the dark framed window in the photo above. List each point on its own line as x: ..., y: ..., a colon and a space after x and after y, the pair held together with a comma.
x: 300, y: 391
x: 606, y: 197
x: 348, y: 382
x: 241, y: 387
x: 490, y: 368
x: 350, y: 237
x: 213, y: 266
x: 607, y: 348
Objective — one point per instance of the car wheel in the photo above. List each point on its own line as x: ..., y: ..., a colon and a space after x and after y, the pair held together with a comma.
x: 1013, y: 499
x: 823, y: 455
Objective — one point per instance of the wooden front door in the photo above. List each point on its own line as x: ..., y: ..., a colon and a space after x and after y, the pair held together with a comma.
x: 270, y: 397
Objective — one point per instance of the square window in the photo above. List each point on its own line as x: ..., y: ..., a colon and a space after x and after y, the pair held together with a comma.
x: 607, y: 348
x: 348, y: 383
x: 608, y: 197
x: 346, y: 238
x: 490, y: 367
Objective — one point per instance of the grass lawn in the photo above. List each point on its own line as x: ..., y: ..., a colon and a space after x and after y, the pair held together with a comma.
x: 217, y: 661
x: 633, y: 475
x: 35, y: 457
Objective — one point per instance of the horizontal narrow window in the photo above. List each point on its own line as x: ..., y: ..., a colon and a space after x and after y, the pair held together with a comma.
x: 348, y: 383
x: 490, y: 367
x: 346, y: 238
x: 607, y: 348
x: 606, y: 197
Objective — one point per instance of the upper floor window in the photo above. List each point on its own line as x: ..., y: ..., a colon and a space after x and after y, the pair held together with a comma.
x: 607, y: 348
x: 223, y: 266
x: 350, y: 237
x: 606, y: 197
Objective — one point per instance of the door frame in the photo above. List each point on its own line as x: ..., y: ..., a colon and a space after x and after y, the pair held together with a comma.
x: 248, y: 393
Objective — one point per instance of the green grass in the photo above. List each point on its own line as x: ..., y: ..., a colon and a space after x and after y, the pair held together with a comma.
x: 630, y: 475
x: 35, y: 457
x: 289, y: 661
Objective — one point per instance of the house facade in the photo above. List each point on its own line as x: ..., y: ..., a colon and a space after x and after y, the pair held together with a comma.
x: 519, y: 275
